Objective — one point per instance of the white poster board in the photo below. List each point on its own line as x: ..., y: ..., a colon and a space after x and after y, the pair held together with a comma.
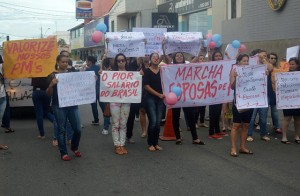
x: 251, y: 87
x: 154, y: 37
x: 131, y: 44
x: 288, y: 90
x: 292, y: 52
x: 231, y: 52
x: 121, y: 87
x: 189, y: 42
x: 201, y: 84
x: 76, y: 88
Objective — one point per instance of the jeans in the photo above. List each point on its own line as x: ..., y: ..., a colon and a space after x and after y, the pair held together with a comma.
x: 95, y: 111
x: 263, y: 112
x: 62, y: 115
x: 6, y: 116
x: 214, y: 118
x: 274, y: 115
x: 154, y: 108
x: 134, y: 109
x: 2, y: 106
x: 41, y: 104
x: 106, y: 120
x: 200, y: 111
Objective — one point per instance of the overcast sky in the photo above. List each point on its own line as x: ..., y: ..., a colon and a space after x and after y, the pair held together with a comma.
x: 21, y: 19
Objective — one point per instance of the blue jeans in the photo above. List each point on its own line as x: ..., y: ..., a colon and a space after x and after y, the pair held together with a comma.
x: 263, y: 113
x: 154, y: 109
x: 106, y: 120
x: 274, y: 115
x: 2, y: 106
x: 62, y: 115
x: 41, y: 104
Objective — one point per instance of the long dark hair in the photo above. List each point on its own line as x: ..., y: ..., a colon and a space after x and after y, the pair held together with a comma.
x: 116, y: 67
x: 213, y: 55
x: 240, y: 57
x: 58, y: 58
x: 296, y: 60
x: 174, y: 58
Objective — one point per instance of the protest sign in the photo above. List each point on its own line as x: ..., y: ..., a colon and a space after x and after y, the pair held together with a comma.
x: 251, y: 87
x: 292, y: 52
x: 201, y: 84
x: 154, y: 37
x: 120, y: 87
x: 231, y: 52
x: 76, y: 88
x: 189, y: 42
x: 131, y: 44
x: 29, y: 58
x: 288, y: 90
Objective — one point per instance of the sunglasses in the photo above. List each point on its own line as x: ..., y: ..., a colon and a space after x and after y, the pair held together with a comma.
x: 121, y: 61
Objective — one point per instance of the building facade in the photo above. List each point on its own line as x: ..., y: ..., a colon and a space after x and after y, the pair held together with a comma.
x: 259, y: 25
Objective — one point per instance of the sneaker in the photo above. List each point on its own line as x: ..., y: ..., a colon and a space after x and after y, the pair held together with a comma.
x: 222, y: 134
x: 250, y: 139
x: 265, y: 138
x: 130, y: 141
x: 203, y: 125
x: 215, y: 136
x: 105, y: 132
x: 95, y: 122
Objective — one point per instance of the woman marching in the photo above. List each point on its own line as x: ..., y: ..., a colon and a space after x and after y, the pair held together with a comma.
x: 70, y: 113
x: 189, y: 112
x: 238, y: 118
x: 153, y: 101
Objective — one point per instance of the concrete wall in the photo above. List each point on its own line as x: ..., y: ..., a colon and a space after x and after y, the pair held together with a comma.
x: 260, y: 27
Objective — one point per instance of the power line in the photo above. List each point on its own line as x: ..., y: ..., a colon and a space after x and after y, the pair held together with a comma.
x: 36, y: 8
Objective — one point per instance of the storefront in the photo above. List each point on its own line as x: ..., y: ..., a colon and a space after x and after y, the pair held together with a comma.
x: 193, y: 14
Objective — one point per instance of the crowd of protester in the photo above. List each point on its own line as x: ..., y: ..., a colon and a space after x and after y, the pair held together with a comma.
x: 121, y: 116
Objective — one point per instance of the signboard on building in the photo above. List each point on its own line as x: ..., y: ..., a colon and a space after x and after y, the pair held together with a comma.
x: 84, y: 9
x: 184, y: 6
x: 165, y: 20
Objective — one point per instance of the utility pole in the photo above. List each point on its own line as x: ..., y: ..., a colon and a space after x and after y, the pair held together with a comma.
x: 41, y: 32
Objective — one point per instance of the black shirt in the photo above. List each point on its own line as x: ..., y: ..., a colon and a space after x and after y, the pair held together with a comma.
x: 153, y: 80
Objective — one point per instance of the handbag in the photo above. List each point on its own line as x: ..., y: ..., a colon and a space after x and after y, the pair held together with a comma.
x: 106, y: 112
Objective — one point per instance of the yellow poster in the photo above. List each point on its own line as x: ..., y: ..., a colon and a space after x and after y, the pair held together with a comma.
x: 29, y: 58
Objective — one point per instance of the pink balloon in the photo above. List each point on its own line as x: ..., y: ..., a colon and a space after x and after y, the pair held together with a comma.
x: 171, y: 98
x: 209, y: 36
x: 212, y: 45
x: 97, y: 36
x: 243, y: 48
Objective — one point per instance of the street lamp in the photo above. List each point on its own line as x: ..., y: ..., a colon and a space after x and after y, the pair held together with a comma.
x: 43, y: 35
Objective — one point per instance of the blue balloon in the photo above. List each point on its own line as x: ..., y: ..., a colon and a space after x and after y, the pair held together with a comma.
x: 205, y: 43
x: 236, y: 44
x: 176, y: 90
x: 101, y: 27
x: 216, y: 38
x: 218, y: 44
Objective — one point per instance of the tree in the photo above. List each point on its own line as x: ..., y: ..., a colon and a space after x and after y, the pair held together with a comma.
x: 61, y: 42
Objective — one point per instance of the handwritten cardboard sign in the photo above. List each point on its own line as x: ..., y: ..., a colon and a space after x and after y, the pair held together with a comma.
x: 201, y: 84
x: 76, y: 88
x: 131, y: 44
x: 292, y: 52
x: 121, y: 87
x: 251, y: 87
x: 288, y: 90
x: 189, y: 42
x: 154, y: 37
x: 29, y: 58
x: 231, y: 52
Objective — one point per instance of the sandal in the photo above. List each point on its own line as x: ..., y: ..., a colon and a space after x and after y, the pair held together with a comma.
x: 151, y: 148
x: 178, y: 142
x: 297, y: 141
x: 286, y: 142
x: 54, y: 143
x: 3, y: 147
x: 199, y: 143
x: 233, y: 154
x: 157, y: 147
x: 249, y: 152
x: 9, y: 130
x: 66, y: 158
x: 77, y: 153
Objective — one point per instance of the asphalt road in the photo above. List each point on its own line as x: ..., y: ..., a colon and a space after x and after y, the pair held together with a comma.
x: 33, y: 167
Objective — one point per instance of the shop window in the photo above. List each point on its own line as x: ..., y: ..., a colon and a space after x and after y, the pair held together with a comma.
x: 198, y: 22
